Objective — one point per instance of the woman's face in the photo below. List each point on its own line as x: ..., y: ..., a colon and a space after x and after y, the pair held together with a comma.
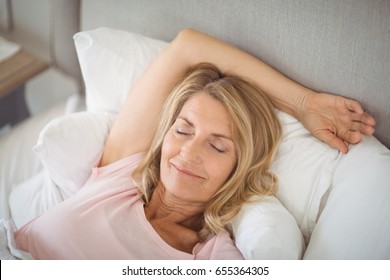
x: 198, y: 152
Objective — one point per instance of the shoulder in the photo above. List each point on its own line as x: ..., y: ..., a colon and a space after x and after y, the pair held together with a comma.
x: 219, y: 247
x: 118, y: 173
x: 123, y: 165
x: 225, y: 247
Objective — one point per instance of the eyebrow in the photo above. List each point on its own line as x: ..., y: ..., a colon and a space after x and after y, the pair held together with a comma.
x: 219, y: 135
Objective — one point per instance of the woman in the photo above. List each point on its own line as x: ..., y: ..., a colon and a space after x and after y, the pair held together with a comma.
x: 212, y: 150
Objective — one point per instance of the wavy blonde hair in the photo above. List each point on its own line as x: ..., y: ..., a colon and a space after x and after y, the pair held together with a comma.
x: 256, y: 133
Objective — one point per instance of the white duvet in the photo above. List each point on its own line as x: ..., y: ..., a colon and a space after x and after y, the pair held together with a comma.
x: 8, y: 250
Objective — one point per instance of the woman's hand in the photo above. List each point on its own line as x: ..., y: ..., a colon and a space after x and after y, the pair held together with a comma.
x: 334, y: 120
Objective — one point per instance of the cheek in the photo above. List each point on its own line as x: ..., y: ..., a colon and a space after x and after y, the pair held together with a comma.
x: 167, y: 151
x: 169, y: 147
x: 221, y: 168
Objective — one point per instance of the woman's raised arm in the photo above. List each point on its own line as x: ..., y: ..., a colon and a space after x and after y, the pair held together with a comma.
x: 331, y: 118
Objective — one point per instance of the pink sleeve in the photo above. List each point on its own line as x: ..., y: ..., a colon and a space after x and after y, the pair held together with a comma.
x: 225, y: 249
x: 123, y: 166
x: 219, y: 247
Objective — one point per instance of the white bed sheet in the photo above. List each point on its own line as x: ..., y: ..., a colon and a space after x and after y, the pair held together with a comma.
x: 18, y: 162
x: 8, y: 250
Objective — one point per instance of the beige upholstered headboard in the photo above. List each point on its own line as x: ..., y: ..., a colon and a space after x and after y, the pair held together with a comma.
x: 336, y: 46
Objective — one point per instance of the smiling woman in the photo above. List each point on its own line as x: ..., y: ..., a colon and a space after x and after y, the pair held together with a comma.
x: 204, y: 148
x: 194, y: 155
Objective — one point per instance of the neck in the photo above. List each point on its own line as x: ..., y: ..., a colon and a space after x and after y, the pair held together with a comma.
x: 162, y: 205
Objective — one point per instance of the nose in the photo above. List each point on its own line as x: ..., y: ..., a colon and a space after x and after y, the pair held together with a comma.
x: 192, y: 151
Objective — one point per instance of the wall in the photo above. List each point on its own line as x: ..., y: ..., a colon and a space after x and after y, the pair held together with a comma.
x: 31, y: 24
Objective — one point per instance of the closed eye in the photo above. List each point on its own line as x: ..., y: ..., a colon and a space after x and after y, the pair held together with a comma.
x: 182, y: 132
x: 218, y: 149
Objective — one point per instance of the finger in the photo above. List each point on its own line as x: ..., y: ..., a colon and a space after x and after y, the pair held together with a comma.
x: 354, y: 106
x: 354, y: 126
x: 366, y: 129
x: 355, y: 117
x: 367, y: 119
x: 363, y: 123
x: 361, y: 128
x: 360, y: 114
x: 333, y: 141
x: 352, y: 137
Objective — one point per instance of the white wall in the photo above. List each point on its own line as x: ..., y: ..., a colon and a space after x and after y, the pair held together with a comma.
x: 31, y: 26
x: 31, y: 21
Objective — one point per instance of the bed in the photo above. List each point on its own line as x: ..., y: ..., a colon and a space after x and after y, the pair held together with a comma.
x: 329, y: 205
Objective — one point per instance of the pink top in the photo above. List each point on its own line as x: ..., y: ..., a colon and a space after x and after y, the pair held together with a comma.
x: 106, y: 220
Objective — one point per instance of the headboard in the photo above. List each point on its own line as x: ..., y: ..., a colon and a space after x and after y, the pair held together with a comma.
x: 335, y: 46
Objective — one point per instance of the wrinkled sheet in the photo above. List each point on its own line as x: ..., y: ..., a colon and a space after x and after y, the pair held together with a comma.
x: 8, y: 250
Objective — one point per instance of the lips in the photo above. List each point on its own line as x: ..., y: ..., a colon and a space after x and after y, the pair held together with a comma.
x: 186, y: 171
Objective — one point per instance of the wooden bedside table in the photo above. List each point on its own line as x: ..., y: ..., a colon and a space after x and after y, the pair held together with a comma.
x: 14, y: 73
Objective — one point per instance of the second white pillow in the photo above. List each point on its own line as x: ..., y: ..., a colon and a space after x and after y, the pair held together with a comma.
x: 70, y: 145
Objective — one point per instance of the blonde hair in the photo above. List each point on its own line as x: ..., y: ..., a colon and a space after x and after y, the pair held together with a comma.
x: 256, y: 133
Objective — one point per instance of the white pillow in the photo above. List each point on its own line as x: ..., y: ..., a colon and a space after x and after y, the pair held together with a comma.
x: 70, y: 145
x: 305, y: 167
x: 111, y: 61
x: 355, y: 223
x: 265, y: 230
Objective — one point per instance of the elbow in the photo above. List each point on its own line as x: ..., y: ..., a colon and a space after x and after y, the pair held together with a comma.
x: 186, y: 34
x: 184, y: 37
x: 184, y: 44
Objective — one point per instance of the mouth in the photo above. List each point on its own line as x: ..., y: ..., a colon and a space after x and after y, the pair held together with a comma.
x: 186, y: 172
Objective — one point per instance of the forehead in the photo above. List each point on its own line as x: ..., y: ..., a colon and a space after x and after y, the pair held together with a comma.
x: 202, y: 109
